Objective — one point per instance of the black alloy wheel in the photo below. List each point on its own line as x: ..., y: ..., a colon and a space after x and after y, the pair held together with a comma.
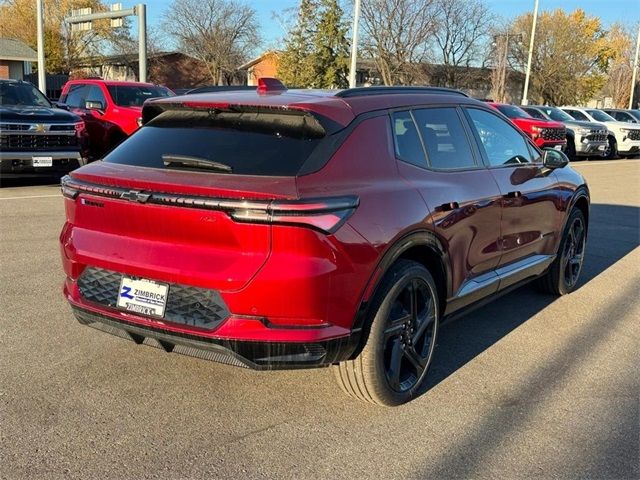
x: 573, y: 254
x: 409, y: 336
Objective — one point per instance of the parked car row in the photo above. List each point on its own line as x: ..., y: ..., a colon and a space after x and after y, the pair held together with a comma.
x: 46, y: 139
x: 578, y: 131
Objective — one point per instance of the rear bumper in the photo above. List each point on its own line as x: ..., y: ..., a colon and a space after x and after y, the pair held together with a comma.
x: 247, y: 354
x: 20, y: 164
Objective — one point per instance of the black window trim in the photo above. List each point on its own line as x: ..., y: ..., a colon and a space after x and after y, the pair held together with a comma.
x: 533, y: 148
x: 475, y: 151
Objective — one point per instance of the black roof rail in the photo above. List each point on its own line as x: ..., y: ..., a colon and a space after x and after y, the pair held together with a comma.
x: 365, y: 91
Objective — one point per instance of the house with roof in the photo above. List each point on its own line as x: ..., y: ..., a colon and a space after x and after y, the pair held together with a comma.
x: 16, y: 58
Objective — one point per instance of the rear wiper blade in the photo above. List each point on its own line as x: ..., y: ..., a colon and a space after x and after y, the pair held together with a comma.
x: 186, y: 161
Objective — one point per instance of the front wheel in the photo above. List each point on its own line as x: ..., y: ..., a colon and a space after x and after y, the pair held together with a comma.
x: 565, y: 270
x: 394, y: 362
x: 612, y: 149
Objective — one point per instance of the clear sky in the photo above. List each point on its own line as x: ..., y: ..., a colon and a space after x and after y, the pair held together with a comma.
x: 611, y: 11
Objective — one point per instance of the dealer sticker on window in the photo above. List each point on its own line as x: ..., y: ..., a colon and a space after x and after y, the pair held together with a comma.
x: 144, y: 297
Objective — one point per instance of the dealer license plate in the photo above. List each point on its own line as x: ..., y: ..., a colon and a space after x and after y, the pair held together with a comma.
x: 42, y: 161
x: 144, y: 297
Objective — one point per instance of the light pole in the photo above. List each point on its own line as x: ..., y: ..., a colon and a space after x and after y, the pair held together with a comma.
x: 354, y: 45
x: 525, y: 99
x: 42, y: 78
x: 635, y: 70
x: 83, y: 20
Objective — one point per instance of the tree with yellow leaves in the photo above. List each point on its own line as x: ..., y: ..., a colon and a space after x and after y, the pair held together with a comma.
x: 570, y: 56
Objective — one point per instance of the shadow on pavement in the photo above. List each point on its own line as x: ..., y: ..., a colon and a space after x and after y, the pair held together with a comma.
x: 613, y: 233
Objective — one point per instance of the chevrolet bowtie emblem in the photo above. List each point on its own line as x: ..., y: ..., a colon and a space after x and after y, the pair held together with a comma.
x: 135, y: 196
x: 38, y: 128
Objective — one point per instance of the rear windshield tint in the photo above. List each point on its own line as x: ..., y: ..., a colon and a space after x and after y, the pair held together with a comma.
x: 272, y: 144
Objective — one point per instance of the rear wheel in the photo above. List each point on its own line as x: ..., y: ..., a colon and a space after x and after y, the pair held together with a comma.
x: 564, y: 273
x: 394, y: 362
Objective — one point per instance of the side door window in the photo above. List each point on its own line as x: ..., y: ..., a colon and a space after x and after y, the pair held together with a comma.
x: 578, y: 115
x: 534, y: 113
x: 75, y: 98
x: 444, y: 138
x: 95, y: 94
x: 502, y: 143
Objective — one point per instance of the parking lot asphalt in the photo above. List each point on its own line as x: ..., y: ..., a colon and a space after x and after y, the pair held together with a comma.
x: 527, y: 386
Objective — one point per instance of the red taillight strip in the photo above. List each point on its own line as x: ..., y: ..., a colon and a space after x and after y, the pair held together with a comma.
x: 325, y: 214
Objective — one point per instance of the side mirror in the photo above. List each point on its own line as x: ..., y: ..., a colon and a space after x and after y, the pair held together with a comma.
x: 95, y: 105
x: 552, y: 159
x: 61, y: 105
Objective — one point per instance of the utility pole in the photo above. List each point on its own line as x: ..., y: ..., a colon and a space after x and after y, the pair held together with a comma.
x: 354, y: 45
x: 635, y: 70
x: 82, y: 20
x: 505, y: 60
x: 525, y: 99
x: 42, y: 77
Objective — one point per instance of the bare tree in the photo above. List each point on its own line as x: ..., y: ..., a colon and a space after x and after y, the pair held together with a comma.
x: 460, y: 29
x: 396, y: 36
x: 220, y: 33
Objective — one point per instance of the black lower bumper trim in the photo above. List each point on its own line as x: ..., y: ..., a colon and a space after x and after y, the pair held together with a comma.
x: 255, y: 355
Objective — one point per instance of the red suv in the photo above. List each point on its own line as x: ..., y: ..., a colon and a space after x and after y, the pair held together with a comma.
x: 288, y: 229
x: 111, y: 110
x: 545, y: 133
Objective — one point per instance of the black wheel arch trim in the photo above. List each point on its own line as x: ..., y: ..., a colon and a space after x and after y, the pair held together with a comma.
x: 416, y: 238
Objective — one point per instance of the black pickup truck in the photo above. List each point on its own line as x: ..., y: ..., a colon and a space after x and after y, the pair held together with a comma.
x: 36, y: 138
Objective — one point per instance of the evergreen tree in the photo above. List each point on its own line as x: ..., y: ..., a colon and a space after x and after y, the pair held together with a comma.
x: 331, y: 48
x: 316, y: 52
x: 296, y: 65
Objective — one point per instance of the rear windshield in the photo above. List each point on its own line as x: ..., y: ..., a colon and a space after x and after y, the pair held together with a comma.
x: 243, y: 143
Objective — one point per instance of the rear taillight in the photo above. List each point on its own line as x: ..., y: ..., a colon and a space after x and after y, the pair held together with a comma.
x: 324, y: 214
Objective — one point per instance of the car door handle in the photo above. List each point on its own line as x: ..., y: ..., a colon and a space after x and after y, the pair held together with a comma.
x: 515, y: 194
x: 447, y: 207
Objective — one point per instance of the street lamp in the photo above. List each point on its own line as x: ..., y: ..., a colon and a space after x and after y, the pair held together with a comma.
x: 354, y: 45
x: 525, y: 100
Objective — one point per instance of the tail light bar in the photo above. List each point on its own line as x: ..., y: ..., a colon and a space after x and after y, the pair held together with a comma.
x: 325, y: 214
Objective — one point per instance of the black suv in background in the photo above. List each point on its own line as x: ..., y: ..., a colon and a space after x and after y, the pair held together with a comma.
x: 37, y: 139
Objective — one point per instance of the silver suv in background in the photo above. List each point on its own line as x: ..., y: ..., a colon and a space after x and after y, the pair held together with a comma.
x: 622, y: 115
x: 584, y: 139
x: 624, y: 138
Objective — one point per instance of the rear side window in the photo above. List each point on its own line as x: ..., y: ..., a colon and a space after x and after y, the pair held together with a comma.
x: 444, y: 138
x: 503, y: 144
x: 234, y: 143
x: 408, y: 144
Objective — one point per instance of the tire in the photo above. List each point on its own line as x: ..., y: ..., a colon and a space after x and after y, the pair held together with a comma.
x: 403, y: 320
x: 571, y: 150
x: 613, y: 149
x: 564, y: 273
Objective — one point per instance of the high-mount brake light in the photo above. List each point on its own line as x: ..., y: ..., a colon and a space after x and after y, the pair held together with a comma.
x: 267, y: 85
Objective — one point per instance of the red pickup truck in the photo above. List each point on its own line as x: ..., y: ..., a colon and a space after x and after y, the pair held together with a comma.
x: 544, y: 133
x: 111, y: 110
